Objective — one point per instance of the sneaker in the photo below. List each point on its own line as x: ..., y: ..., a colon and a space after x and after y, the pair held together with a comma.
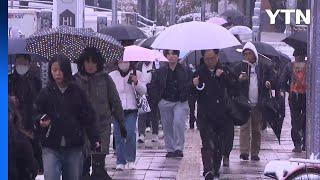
x: 170, y: 155
x: 161, y: 135
x: 255, y: 158
x: 154, y: 138
x: 120, y: 167
x: 141, y: 139
x: 148, y: 129
x: 225, y: 161
x: 297, y: 149
x: 244, y: 156
x: 178, y: 153
x: 131, y: 165
x: 209, y: 175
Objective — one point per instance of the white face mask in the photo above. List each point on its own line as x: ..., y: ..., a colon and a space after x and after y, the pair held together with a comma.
x: 124, y: 66
x: 22, y: 69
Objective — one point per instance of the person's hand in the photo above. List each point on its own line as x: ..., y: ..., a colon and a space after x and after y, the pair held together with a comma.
x: 243, y: 77
x: 134, y: 79
x: 268, y: 85
x: 196, y: 81
x: 45, y: 122
x: 282, y: 94
x: 219, y: 72
x: 123, y: 131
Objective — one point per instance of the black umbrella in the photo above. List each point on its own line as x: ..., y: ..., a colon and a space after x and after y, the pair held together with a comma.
x: 71, y: 42
x: 124, y: 32
x: 17, y: 46
x: 148, y: 42
x: 297, y: 40
x: 266, y: 49
x: 235, y: 17
x: 274, y: 113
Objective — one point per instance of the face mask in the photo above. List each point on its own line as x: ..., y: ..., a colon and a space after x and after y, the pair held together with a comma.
x: 22, y: 69
x: 124, y: 66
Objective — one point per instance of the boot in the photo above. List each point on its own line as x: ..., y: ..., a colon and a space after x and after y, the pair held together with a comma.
x: 206, y: 161
x: 98, y: 171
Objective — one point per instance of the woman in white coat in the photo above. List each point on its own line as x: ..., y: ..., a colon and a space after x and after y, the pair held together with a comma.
x: 127, y: 81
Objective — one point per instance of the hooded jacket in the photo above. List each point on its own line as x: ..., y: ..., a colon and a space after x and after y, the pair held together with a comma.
x: 103, y: 95
x: 70, y: 112
x: 126, y: 90
x: 263, y: 74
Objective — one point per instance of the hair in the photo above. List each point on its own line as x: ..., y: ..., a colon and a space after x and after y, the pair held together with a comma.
x: 25, y: 56
x: 65, y: 67
x: 175, y: 52
x: 96, y: 57
x: 216, y: 51
x: 127, y: 42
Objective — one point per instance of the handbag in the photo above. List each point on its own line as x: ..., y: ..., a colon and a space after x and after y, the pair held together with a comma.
x: 239, y: 109
x: 142, y: 102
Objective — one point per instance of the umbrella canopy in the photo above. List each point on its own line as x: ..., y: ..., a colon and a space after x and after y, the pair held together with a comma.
x: 195, y: 36
x: 235, y: 17
x: 241, y: 30
x: 137, y: 53
x: 217, y: 20
x: 71, y: 42
x: 17, y: 46
x: 124, y: 32
x: 266, y: 49
x: 147, y: 42
x: 297, y: 40
x: 232, y: 13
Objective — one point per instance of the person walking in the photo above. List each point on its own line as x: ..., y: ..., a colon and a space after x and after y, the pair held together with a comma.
x: 254, y: 83
x: 293, y: 80
x: 211, y: 86
x: 65, y: 113
x: 127, y: 81
x: 104, y: 97
x: 148, y: 69
x: 170, y: 89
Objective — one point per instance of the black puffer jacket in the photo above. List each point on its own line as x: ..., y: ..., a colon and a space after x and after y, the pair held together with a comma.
x: 70, y: 113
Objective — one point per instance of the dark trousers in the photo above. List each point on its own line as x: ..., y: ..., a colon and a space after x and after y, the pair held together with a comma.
x: 217, y: 141
x: 297, y: 103
x: 192, y: 106
x: 145, y: 119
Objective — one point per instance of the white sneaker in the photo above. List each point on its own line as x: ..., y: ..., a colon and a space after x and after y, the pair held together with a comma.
x: 131, y: 165
x: 141, y: 138
x: 148, y: 129
x: 160, y: 135
x: 154, y: 138
x: 120, y: 167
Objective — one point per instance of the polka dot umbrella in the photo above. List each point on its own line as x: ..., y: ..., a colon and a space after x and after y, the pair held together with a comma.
x: 71, y: 41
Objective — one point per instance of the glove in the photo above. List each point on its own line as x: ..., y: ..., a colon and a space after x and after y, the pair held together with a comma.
x: 123, y: 131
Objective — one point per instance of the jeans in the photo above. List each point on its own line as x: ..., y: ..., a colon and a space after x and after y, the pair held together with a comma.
x: 67, y: 162
x: 173, y: 117
x: 126, y: 148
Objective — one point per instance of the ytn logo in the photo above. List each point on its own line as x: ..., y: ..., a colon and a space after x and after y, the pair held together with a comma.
x: 299, y: 15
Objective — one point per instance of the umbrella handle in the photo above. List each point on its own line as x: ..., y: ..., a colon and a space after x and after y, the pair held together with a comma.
x: 201, y: 88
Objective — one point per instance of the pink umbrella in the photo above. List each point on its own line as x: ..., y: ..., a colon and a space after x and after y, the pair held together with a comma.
x: 137, y: 53
x: 217, y: 20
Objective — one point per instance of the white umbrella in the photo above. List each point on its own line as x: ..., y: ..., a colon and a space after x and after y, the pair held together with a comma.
x: 195, y: 35
x: 137, y: 53
x: 241, y: 30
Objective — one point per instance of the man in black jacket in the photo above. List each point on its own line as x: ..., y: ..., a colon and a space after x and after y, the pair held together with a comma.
x: 211, y: 84
x: 254, y: 83
x: 293, y: 80
x: 170, y: 88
